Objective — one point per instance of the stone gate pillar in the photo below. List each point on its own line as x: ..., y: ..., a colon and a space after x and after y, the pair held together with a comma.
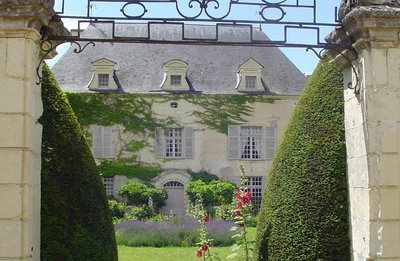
x: 372, y: 118
x: 20, y: 132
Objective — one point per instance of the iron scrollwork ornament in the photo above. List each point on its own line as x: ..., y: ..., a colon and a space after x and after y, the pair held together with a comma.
x: 47, y: 46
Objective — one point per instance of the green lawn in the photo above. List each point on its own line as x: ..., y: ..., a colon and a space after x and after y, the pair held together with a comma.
x: 170, y: 253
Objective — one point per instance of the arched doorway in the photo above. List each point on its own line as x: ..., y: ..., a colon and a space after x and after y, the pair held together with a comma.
x: 176, y: 198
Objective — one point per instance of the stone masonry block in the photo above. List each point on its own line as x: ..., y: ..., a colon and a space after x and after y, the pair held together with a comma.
x: 389, y: 172
x: 378, y: 65
x: 10, y: 166
x: 390, y: 140
x: 357, y: 169
x: 390, y: 204
x: 390, y: 240
x: 394, y: 68
x: 355, y: 143
x: 15, y: 58
x: 10, y: 201
x: 360, y: 236
x: 10, y: 239
x: 12, y: 130
x: 3, y: 57
x: 12, y: 95
x: 359, y: 203
x: 383, y: 105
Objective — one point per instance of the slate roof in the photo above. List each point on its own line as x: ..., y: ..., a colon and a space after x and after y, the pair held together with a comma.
x: 211, y: 69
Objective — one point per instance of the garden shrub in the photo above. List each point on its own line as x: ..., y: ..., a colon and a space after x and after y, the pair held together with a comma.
x: 213, y: 193
x: 304, y: 214
x: 75, y: 218
x: 117, y: 209
x: 138, y: 194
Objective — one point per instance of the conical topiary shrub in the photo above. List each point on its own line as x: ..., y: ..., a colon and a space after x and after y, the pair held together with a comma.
x: 304, y: 214
x: 75, y: 218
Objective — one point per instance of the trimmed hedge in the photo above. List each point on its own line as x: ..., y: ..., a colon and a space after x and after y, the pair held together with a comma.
x: 75, y: 217
x: 304, y: 214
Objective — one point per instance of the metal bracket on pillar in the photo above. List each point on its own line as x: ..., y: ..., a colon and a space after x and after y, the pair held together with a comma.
x: 349, y: 54
x: 48, y: 46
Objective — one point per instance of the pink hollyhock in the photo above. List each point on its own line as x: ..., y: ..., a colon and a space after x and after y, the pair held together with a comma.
x: 204, y: 247
x: 237, y: 213
x: 239, y: 205
x: 206, y: 218
x: 246, y: 199
x: 199, y: 253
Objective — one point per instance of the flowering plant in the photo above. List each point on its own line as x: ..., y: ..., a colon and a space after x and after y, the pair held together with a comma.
x: 243, y: 213
x: 200, y: 214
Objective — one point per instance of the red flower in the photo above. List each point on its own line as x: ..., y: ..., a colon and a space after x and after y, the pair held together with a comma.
x: 206, y: 218
x: 246, y: 199
x: 239, y: 205
x: 204, y: 247
x: 249, y: 192
x: 237, y: 213
x: 199, y: 253
x: 238, y: 194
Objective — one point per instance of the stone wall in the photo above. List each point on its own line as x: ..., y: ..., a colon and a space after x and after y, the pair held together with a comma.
x: 373, y: 129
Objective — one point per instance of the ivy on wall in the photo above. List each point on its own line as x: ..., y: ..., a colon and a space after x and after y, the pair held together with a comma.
x: 134, y: 112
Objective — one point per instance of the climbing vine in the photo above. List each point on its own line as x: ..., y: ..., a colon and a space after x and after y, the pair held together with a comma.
x: 135, y: 115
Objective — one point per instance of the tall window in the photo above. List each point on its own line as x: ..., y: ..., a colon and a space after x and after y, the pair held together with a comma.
x: 103, y: 80
x: 251, y: 82
x: 173, y: 143
x: 102, y: 142
x: 250, y: 141
x: 255, y: 185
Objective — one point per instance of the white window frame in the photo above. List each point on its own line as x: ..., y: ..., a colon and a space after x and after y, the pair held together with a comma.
x: 103, y: 80
x: 174, y: 143
x: 251, y: 138
x: 176, y: 79
x: 251, y: 81
x: 237, y: 140
x: 102, y: 142
x: 255, y: 184
x: 108, y: 183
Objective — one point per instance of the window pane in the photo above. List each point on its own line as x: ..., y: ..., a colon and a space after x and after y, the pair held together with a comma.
x: 173, y: 141
x: 255, y: 185
x: 250, y: 142
x: 175, y: 80
x: 251, y: 82
x: 103, y: 80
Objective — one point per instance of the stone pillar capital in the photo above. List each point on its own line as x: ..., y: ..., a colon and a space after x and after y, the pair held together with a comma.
x: 32, y: 14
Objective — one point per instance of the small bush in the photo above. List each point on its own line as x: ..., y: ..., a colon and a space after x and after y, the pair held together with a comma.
x: 202, y: 175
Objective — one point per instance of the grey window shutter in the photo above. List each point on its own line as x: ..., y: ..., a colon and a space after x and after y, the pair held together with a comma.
x: 97, y: 142
x: 233, y: 141
x: 270, y: 142
x: 107, y: 142
x: 159, y: 143
x: 189, y: 142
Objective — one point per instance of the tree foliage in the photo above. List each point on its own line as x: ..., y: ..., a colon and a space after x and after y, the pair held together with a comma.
x: 75, y: 218
x: 213, y: 193
x: 304, y: 214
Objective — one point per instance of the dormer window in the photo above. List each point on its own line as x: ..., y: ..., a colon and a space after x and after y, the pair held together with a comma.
x: 175, y: 76
x: 176, y: 79
x: 249, y: 77
x: 251, y: 82
x: 103, y: 78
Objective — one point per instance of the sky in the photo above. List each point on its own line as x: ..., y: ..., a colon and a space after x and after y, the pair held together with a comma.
x: 305, y: 61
